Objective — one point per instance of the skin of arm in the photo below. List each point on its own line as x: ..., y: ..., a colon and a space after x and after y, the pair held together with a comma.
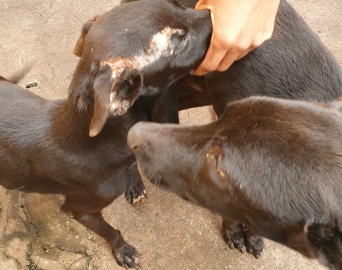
x: 239, y: 26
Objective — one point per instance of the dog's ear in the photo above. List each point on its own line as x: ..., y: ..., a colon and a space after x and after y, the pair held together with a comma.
x: 78, y: 49
x: 127, y: 89
x: 102, y: 89
x: 113, y: 95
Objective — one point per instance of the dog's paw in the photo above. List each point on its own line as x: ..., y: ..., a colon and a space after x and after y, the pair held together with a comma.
x: 135, y: 195
x: 241, y: 238
x: 254, y: 245
x: 235, y: 239
x: 127, y: 256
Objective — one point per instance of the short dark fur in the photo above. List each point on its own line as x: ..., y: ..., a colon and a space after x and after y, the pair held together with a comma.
x: 271, y: 164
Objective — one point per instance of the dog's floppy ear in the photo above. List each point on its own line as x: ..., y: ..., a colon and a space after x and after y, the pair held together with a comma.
x: 113, y: 95
x: 127, y: 89
x: 102, y: 89
x: 78, y: 49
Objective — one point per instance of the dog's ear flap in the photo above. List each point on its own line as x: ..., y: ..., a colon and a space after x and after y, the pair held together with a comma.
x: 102, y: 89
x: 113, y: 95
x: 127, y: 91
x: 78, y: 49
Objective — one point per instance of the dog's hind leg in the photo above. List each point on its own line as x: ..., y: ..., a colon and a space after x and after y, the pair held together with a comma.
x: 91, y: 218
x: 240, y: 237
x: 135, y: 190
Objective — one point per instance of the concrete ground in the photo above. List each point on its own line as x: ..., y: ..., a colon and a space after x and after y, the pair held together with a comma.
x: 171, y: 234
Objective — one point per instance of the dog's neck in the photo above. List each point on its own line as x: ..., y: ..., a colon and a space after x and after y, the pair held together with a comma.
x: 70, y: 125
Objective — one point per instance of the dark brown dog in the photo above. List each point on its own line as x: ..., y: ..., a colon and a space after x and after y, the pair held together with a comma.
x: 271, y: 164
x: 45, y: 148
x: 163, y: 40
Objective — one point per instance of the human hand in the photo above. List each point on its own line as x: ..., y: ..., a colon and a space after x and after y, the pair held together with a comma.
x: 239, y: 26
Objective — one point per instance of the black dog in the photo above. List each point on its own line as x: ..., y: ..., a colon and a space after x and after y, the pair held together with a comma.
x: 271, y: 164
x: 45, y: 148
x: 165, y: 39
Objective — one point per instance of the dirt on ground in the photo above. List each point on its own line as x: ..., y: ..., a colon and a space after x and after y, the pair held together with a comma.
x: 170, y: 233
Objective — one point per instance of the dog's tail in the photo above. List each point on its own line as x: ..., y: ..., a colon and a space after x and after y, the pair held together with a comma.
x: 326, y: 240
x: 18, y: 75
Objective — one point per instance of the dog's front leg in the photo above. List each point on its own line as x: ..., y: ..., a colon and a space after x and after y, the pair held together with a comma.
x: 135, y: 190
x: 238, y: 236
x: 125, y: 254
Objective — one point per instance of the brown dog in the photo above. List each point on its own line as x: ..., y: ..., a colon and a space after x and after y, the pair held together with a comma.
x: 271, y: 164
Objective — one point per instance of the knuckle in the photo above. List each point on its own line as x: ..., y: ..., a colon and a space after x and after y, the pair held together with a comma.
x: 243, y: 46
x: 209, y: 67
x: 224, y: 40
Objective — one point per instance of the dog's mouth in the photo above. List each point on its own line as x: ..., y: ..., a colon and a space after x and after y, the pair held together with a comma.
x: 160, y: 182
x: 157, y: 180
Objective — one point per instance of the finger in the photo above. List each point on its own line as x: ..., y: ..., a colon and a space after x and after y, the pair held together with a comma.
x: 202, y: 4
x: 228, y: 60
x: 211, y: 61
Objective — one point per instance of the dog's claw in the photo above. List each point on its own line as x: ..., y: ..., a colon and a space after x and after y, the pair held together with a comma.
x: 140, y: 199
x: 135, y: 196
x: 242, y: 249
x: 127, y: 256
x: 231, y: 244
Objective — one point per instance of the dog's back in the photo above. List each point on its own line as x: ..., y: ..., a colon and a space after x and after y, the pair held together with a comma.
x: 24, y: 125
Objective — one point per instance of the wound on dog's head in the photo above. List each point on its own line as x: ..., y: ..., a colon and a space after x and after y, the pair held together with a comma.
x: 214, y: 160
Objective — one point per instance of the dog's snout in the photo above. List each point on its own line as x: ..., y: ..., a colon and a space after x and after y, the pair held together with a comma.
x: 137, y: 136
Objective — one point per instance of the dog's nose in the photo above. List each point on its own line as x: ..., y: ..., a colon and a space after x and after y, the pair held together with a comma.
x: 135, y: 136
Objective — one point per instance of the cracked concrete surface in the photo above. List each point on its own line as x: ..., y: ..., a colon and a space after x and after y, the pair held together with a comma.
x: 171, y: 234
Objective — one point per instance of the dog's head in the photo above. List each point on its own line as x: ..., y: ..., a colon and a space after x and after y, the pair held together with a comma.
x: 247, y: 151
x: 150, y: 43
